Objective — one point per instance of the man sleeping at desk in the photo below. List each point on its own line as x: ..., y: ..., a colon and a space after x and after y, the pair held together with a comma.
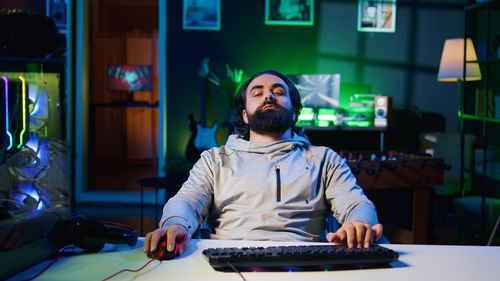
x: 268, y: 182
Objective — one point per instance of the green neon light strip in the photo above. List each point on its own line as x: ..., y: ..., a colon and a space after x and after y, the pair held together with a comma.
x: 306, y: 117
x: 327, y: 117
x: 360, y: 109
x: 358, y: 123
x: 24, y: 112
x: 480, y: 118
x: 322, y: 123
x: 306, y: 114
x: 327, y: 114
x: 7, y: 111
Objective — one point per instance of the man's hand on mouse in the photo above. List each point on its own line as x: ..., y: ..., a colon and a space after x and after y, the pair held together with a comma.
x: 356, y: 234
x: 175, y: 234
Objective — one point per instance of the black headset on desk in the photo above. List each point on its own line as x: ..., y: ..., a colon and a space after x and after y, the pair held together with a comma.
x: 91, y: 235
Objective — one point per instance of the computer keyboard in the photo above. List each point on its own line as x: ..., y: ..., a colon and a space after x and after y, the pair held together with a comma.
x: 311, y: 256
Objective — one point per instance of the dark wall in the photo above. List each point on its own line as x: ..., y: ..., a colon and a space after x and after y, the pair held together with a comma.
x: 245, y: 42
x: 403, y: 64
x: 31, y: 6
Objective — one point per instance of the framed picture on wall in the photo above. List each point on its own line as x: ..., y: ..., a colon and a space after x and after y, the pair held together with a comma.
x: 289, y: 12
x: 377, y: 15
x: 56, y: 10
x: 201, y: 15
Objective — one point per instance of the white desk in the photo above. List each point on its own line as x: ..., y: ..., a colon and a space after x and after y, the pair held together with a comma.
x: 416, y: 262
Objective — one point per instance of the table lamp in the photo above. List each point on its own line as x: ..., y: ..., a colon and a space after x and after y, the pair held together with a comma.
x: 451, y: 69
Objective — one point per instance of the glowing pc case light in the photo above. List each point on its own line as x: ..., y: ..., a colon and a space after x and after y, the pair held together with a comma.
x: 13, y: 114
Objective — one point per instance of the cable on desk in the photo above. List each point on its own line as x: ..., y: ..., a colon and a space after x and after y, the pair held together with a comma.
x: 50, y: 263
x: 236, y: 270
x: 118, y: 224
x: 129, y: 270
x: 43, y: 270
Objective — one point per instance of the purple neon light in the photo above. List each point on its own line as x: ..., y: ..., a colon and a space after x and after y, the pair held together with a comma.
x: 7, y: 111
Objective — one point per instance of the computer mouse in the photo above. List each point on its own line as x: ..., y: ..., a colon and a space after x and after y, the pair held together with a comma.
x: 161, y: 252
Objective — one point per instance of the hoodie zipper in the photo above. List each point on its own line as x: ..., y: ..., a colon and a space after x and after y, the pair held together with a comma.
x: 278, y: 184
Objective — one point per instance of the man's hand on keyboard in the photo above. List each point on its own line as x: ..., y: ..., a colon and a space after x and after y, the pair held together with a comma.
x: 356, y: 234
x: 175, y: 234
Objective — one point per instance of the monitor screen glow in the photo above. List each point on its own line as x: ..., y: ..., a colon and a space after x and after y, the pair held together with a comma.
x: 130, y: 77
x: 318, y: 90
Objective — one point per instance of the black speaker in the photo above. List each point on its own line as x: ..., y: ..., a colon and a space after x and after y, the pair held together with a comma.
x: 383, y: 108
x: 24, y: 35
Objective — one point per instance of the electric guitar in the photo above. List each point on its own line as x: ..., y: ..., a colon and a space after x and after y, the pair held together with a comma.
x: 202, y: 137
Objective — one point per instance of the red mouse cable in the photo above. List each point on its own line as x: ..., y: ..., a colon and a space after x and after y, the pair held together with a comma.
x: 118, y: 224
x: 129, y: 270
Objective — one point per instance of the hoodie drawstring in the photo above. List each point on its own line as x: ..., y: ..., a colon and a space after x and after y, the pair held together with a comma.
x: 278, y: 184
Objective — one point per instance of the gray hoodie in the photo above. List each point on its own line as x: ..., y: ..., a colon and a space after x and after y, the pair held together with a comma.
x: 268, y: 191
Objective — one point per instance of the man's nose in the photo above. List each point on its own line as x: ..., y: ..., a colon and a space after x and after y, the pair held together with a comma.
x: 270, y: 96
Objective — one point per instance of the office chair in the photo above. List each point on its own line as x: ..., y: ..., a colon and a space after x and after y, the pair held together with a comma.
x: 494, y: 233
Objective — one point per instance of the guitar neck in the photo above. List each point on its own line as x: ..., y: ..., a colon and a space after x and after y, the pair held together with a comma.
x: 203, y: 102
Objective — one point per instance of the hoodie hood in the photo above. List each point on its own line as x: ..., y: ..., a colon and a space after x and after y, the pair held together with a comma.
x: 236, y: 143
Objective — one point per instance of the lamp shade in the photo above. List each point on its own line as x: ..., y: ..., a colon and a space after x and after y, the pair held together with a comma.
x: 452, y: 62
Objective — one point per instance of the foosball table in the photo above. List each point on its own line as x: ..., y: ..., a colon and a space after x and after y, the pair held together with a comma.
x: 397, y: 170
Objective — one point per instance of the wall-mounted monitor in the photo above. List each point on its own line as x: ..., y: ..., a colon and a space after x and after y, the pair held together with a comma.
x: 130, y: 78
x: 318, y: 90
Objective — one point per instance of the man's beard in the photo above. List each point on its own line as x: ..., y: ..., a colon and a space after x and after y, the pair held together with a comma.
x: 272, y: 120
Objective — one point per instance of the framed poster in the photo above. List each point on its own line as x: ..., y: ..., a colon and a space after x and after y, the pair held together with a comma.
x: 201, y: 14
x: 377, y: 16
x: 290, y: 12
